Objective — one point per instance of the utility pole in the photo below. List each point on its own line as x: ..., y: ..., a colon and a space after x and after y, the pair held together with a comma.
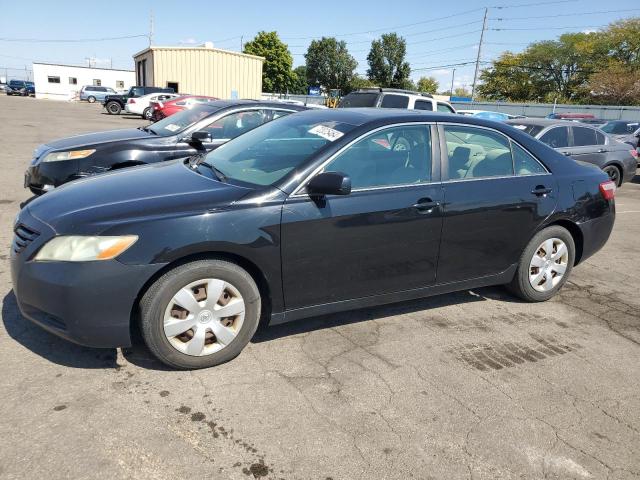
x: 453, y: 75
x: 151, y: 28
x: 241, y: 43
x: 475, y: 75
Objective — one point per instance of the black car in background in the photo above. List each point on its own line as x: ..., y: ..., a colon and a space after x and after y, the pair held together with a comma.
x: 584, y: 143
x: 184, y: 134
x: 623, y: 131
x: 114, y: 104
x: 20, y: 87
x: 317, y: 212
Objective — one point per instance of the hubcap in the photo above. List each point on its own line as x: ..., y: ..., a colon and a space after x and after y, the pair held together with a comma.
x: 613, y: 174
x: 548, y: 264
x: 204, y: 317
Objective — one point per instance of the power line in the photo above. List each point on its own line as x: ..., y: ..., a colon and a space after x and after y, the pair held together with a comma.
x: 75, y: 40
x: 537, y: 4
x: 546, y: 28
x: 567, y: 14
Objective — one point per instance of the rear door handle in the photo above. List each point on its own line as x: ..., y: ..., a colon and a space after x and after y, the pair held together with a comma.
x: 541, y: 190
x: 425, y: 205
x: 568, y: 154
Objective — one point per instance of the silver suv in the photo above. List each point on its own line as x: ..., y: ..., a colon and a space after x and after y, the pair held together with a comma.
x: 394, y: 98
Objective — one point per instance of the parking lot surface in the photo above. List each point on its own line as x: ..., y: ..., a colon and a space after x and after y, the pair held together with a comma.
x: 469, y: 385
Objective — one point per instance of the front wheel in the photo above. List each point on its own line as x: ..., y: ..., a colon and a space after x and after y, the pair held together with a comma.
x: 91, y: 99
x: 147, y: 113
x: 545, y: 265
x: 114, y: 108
x: 200, y: 314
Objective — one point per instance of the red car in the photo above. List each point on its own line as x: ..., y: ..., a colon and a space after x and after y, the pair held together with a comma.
x: 161, y: 110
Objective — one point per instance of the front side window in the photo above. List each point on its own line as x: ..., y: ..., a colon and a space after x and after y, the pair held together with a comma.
x: 394, y: 156
x: 395, y: 101
x: 443, y: 107
x: 583, y: 137
x: 266, y: 154
x: 557, y: 137
x: 477, y: 153
x: 137, y: 92
x: 423, y: 105
x: 234, y: 124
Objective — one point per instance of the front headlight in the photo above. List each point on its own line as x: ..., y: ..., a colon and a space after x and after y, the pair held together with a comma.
x: 84, y: 249
x: 71, y: 155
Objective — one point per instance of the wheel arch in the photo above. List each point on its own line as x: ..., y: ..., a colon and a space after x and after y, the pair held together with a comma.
x: 251, y: 268
x: 576, y: 234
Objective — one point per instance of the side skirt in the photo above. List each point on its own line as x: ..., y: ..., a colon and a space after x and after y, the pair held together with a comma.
x: 374, y: 300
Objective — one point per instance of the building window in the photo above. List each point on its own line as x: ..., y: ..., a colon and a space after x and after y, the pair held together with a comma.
x: 53, y: 79
x: 97, y: 82
x: 119, y: 83
x: 73, y: 81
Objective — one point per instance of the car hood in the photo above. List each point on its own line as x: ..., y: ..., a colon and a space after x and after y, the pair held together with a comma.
x: 89, y: 139
x: 94, y: 205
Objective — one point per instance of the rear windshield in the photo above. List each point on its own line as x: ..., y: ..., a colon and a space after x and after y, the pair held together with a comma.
x: 532, y: 130
x: 619, y: 128
x: 354, y: 100
x: 180, y: 121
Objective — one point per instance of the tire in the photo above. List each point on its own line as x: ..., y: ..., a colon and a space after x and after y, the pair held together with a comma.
x: 158, y: 308
x: 91, y: 99
x: 615, y: 174
x: 527, y: 275
x: 114, y: 108
x: 147, y: 113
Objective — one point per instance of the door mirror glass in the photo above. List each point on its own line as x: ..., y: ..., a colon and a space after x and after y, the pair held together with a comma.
x: 201, y: 136
x: 329, y: 183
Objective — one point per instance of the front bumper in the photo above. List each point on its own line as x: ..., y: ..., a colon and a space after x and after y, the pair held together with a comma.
x: 89, y: 303
x: 41, y: 177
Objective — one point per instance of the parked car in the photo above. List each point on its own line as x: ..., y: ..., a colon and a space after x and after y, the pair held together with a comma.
x: 317, y: 212
x: 624, y: 131
x: 20, y: 87
x: 141, y: 105
x: 91, y: 93
x: 394, y: 98
x: 571, y: 116
x: 161, y: 109
x: 488, y: 115
x: 584, y: 143
x: 185, y: 134
x: 114, y: 104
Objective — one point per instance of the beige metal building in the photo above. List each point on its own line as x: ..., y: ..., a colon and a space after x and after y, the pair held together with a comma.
x: 200, y: 70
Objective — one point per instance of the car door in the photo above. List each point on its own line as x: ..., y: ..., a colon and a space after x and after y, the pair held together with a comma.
x: 381, y: 238
x: 587, y: 147
x: 491, y: 209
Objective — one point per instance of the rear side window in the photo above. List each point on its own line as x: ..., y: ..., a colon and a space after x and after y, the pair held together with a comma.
x: 524, y: 163
x: 423, y: 105
x: 583, y: 137
x: 443, y: 107
x: 477, y: 153
x: 395, y: 101
x: 600, y: 138
x: 354, y: 100
x: 557, y: 137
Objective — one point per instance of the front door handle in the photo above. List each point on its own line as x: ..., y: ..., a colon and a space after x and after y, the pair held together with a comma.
x: 425, y: 205
x: 541, y: 190
x: 568, y: 154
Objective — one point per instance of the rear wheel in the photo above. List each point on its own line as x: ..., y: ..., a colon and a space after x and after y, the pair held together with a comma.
x: 114, y: 108
x: 200, y: 314
x: 615, y: 175
x: 545, y: 265
x: 91, y: 99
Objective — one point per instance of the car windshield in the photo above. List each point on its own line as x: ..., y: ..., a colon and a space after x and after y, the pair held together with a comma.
x: 619, y: 128
x: 359, y: 100
x: 178, y: 122
x: 531, y: 129
x: 266, y: 154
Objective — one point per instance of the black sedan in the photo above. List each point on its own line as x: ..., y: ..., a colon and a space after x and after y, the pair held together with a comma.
x: 317, y: 212
x: 199, y: 129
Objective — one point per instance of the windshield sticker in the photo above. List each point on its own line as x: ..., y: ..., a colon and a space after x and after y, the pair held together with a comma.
x: 326, y: 132
x: 172, y: 127
x: 519, y: 127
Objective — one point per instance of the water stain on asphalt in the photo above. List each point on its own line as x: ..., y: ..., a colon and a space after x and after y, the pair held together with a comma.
x: 257, y: 470
x: 496, y: 356
x: 57, y: 408
x: 183, y: 409
x: 6, y: 202
x: 164, y: 393
x: 198, y: 417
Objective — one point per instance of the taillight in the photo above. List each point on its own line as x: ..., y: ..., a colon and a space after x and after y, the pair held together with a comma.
x: 634, y: 153
x: 131, y: 100
x: 608, y: 190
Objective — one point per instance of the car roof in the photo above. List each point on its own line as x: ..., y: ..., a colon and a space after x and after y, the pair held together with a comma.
x: 544, y: 122
x: 220, y: 104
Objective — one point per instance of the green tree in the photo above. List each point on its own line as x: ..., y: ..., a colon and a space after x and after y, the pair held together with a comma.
x: 329, y: 64
x: 277, y: 76
x: 358, y: 82
x: 427, y: 85
x: 387, y: 64
x: 461, y: 92
x: 300, y: 85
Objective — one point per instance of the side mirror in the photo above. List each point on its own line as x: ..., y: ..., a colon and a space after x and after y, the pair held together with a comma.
x: 329, y: 183
x: 200, y: 136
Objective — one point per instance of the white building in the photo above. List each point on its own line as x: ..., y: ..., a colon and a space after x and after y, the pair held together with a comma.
x: 63, y: 82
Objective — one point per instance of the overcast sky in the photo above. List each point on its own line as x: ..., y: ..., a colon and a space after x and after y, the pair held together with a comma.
x: 438, y: 34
